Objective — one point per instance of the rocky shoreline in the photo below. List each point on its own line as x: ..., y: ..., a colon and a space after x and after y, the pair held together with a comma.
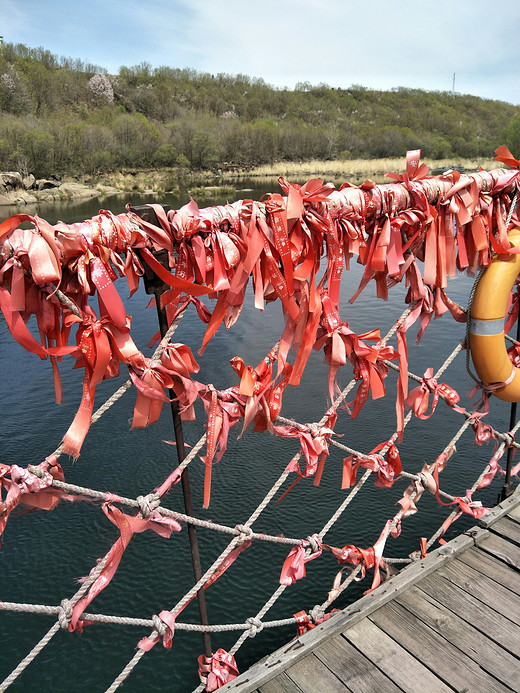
x: 16, y: 189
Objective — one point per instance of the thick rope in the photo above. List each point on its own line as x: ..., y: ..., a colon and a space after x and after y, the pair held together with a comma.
x: 254, y: 624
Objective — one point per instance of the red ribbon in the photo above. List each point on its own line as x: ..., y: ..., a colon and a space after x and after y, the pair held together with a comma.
x: 26, y: 487
x: 367, y: 558
x: 466, y: 505
x: 217, y: 670
x: 128, y: 526
x: 504, y: 155
x: 419, y: 397
x: 293, y: 568
x: 312, y: 446
x: 304, y: 622
x: 387, y: 468
x: 168, y: 619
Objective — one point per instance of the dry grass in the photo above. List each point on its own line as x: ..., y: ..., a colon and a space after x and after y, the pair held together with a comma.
x: 355, y: 171
x: 359, y: 168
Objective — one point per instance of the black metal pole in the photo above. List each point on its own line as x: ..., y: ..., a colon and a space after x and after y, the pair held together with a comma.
x: 507, y: 489
x: 186, y: 491
x: 154, y: 285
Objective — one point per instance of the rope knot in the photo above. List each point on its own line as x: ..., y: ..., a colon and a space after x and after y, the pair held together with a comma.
x: 255, y: 626
x: 159, y: 625
x: 148, y: 503
x: 314, y: 545
x: 317, y: 613
x: 36, y: 470
x: 422, y: 480
x: 65, y: 613
x: 244, y: 533
x: 314, y: 429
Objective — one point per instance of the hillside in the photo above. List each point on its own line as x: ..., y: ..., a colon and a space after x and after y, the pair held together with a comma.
x: 62, y: 116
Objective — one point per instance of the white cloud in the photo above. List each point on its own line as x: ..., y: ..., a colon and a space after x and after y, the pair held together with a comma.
x: 380, y: 44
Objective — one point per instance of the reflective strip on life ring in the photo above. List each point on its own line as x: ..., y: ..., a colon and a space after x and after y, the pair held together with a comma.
x: 487, y: 317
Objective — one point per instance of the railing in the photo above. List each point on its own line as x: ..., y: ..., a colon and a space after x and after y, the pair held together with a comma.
x: 279, y: 245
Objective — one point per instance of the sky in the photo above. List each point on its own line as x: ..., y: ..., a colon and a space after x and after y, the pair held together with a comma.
x: 380, y: 44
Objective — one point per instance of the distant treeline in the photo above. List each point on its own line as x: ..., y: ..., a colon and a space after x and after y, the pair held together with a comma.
x: 59, y: 115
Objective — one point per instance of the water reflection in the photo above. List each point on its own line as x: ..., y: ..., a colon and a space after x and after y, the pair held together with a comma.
x: 50, y: 551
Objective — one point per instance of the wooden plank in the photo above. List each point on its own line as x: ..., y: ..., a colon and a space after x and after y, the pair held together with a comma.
x: 483, y: 588
x: 487, y: 564
x: 507, y: 528
x: 353, y: 668
x: 289, y: 654
x: 485, y: 652
x: 312, y: 675
x: 480, y: 616
x: 281, y: 684
x: 508, y: 505
x: 454, y: 667
x: 501, y: 549
x: 398, y: 664
x: 515, y: 514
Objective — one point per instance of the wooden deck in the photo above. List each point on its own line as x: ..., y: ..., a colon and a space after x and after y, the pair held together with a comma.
x: 449, y: 622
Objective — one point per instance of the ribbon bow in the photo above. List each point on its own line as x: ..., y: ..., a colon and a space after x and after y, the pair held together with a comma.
x: 386, y: 468
x: 414, y: 170
x: 466, y: 505
x: 305, y: 623
x: 223, y: 409
x: 165, y: 626
x: 313, y: 445
x: 368, y: 558
x: 419, y: 397
x: 151, y: 378
x: 100, y: 360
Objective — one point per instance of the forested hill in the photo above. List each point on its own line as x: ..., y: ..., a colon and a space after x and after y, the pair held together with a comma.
x: 63, y: 116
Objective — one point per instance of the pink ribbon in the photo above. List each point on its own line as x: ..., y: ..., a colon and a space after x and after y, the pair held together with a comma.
x: 293, y: 568
x: 217, y: 670
x: 168, y: 620
x: 128, y: 526
x: 26, y: 487
x: 419, y: 397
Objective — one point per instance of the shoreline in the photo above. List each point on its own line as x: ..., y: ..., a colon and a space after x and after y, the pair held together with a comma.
x: 22, y: 191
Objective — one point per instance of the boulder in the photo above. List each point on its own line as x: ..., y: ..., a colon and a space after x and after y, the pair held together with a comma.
x: 17, y: 197
x: 14, y: 189
x: 11, y: 180
x: 29, y: 181
x: 76, y: 190
x: 65, y: 191
x: 45, y: 184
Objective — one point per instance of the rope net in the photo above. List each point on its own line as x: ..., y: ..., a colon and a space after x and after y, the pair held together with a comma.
x: 296, y: 250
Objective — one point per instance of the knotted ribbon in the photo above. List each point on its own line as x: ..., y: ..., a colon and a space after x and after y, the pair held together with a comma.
x: 127, y: 526
x: 217, y: 670
x: 25, y: 487
x: 293, y: 568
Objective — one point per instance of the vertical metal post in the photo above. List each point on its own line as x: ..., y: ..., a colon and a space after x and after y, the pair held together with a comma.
x: 507, y: 489
x: 186, y: 490
x: 154, y: 285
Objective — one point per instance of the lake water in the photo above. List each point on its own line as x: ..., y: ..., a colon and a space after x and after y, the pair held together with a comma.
x: 44, y: 554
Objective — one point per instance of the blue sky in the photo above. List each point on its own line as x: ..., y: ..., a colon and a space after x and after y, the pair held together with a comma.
x: 380, y: 44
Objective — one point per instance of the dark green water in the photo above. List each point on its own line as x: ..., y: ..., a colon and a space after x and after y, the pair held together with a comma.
x: 43, y: 554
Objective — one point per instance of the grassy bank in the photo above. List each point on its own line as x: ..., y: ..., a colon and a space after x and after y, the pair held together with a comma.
x: 362, y: 168
x: 355, y: 171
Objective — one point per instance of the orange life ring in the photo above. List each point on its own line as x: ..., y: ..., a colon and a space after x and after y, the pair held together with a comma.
x: 486, y: 330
